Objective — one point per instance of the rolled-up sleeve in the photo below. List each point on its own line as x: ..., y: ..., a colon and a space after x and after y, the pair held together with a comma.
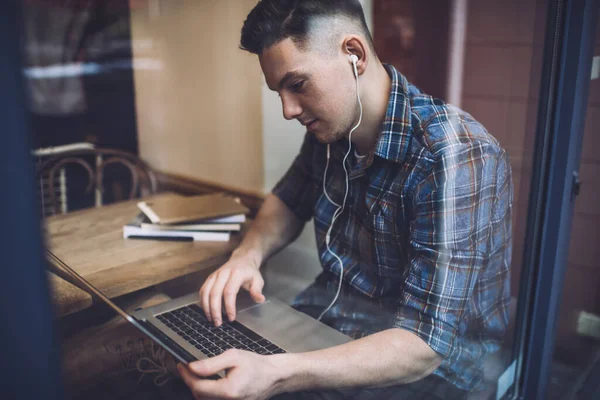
x: 451, y: 241
x: 296, y: 188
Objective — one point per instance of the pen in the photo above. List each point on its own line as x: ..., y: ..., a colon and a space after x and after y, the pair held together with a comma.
x: 164, y: 238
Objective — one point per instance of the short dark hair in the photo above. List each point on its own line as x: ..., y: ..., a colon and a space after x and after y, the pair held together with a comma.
x: 272, y: 21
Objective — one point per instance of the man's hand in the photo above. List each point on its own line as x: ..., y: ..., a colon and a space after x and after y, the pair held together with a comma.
x: 273, y: 228
x: 249, y: 376
x: 242, y: 270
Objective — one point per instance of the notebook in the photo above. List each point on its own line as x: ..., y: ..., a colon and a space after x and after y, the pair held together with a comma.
x: 134, y: 230
x: 216, y: 227
x: 179, y: 209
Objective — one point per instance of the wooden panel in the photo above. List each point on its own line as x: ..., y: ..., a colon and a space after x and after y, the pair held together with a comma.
x: 198, y: 96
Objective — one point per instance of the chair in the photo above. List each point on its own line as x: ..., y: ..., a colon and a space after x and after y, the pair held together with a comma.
x: 94, y: 161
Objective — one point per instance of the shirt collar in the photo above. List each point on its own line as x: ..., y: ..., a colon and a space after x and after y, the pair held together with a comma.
x: 395, y: 135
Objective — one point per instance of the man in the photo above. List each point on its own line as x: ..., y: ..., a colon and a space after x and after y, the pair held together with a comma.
x: 420, y: 226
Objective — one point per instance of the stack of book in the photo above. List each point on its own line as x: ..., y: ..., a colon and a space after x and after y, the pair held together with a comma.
x: 170, y: 216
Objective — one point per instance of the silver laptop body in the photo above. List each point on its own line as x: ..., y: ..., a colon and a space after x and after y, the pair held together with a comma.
x: 274, y: 320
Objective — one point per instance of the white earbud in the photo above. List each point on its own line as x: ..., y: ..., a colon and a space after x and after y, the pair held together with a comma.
x: 354, y: 60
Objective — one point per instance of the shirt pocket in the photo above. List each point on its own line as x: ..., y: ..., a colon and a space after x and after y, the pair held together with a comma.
x: 389, y: 243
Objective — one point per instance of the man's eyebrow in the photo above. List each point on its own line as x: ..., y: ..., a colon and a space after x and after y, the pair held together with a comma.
x: 289, y: 76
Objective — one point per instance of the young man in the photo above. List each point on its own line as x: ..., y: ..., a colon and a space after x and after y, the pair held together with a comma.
x: 419, y: 226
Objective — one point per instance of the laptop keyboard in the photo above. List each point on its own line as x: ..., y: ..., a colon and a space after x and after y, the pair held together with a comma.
x: 191, y: 324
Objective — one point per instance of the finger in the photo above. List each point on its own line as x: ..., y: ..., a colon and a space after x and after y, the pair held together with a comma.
x: 212, y: 366
x: 204, y: 295
x: 216, y: 296
x: 256, y: 290
x: 202, y: 388
x: 186, y: 375
x: 230, y: 294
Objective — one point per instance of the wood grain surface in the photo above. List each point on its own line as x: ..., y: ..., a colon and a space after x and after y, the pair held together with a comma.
x: 91, y: 242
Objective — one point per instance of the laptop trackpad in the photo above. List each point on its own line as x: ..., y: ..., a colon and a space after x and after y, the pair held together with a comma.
x: 288, y: 328
x: 244, y: 301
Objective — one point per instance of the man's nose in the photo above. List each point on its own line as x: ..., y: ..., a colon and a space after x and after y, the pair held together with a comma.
x: 291, y: 108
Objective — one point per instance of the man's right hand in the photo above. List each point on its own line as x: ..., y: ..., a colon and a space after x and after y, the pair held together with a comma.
x: 224, y: 284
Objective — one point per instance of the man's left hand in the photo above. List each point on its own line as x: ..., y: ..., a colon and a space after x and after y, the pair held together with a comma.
x: 249, y: 376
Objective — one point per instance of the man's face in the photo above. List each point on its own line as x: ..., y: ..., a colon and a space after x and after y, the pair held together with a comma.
x: 316, y: 89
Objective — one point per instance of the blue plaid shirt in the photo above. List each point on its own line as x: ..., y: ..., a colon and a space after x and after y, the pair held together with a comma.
x: 425, y: 236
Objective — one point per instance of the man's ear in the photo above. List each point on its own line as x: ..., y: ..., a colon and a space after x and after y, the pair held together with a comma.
x: 353, y: 44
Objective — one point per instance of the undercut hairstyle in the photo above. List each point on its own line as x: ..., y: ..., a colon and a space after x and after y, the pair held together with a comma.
x: 272, y: 21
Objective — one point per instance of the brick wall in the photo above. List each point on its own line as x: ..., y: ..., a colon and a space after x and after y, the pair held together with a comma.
x: 502, y: 74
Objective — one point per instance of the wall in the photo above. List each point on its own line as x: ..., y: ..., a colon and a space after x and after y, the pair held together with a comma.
x: 502, y: 74
x: 198, y: 97
x: 501, y: 85
x: 205, y: 111
x: 189, y: 122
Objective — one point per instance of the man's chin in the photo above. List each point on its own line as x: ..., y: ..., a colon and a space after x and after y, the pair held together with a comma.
x: 325, y: 138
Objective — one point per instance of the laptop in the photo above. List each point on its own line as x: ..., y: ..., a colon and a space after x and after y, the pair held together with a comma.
x: 181, y: 328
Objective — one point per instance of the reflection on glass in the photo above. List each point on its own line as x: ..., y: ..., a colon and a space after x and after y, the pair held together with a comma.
x: 77, y: 58
x: 425, y: 214
x: 78, y: 69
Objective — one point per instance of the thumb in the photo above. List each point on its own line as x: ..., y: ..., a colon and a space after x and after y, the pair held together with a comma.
x: 256, y: 290
x: 211, y: 366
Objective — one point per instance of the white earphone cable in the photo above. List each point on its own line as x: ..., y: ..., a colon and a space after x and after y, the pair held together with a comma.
x: 324, y: 177
x: 340, y: 209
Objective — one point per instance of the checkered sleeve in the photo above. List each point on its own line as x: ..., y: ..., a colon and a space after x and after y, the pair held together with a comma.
x: 450, y: 237
x: 296, y: 188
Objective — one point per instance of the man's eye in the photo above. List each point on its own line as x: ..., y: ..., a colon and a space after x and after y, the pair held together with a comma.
x: 298, y: 86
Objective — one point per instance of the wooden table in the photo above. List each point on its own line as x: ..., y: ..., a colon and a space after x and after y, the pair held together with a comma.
x: 91, y: 242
